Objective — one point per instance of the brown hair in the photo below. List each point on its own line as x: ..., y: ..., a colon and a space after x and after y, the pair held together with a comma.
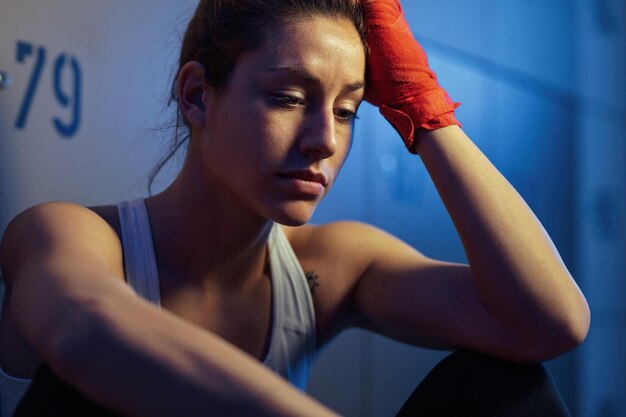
x: 220, y: 30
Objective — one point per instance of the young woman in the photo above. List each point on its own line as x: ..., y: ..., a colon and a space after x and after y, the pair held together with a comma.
x: 178, y: 304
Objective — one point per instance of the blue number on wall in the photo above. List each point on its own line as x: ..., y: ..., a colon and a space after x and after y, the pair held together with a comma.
x: 24, y: 50
x: 67, y: 129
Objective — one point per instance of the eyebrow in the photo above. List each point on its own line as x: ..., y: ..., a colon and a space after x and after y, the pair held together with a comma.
x: 312, y: 79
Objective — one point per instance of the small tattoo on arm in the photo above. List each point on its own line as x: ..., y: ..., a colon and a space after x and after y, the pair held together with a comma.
x: 313, y: 280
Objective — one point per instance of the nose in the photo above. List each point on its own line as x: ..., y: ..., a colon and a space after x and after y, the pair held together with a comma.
x: 319, y: 139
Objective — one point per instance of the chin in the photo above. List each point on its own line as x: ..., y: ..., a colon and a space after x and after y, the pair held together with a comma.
x: 294, y: 214
x: 292, y: 221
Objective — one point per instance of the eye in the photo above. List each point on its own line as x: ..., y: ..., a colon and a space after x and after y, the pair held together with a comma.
x: 345, y: 116
x: 287, y: 101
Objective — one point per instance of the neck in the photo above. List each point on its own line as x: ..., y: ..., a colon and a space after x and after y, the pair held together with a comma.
x: 202, y: 235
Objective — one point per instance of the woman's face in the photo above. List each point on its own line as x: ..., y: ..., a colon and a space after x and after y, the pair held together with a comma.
x: 277, y: 136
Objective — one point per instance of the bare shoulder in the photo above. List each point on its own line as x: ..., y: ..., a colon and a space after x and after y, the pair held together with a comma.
x: 335, y: 257
x: 58, y: 227
x: 340, y: 233
x: 55, y: 237
x: 349, y: 242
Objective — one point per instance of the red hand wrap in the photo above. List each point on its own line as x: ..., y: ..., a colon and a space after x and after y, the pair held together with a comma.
x: 399, y: 79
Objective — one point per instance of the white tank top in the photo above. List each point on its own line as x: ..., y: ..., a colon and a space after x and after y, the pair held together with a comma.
x: 11, y: 392
x: 291, y: 352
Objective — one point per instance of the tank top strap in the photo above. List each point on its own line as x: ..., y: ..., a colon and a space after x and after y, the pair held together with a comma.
x: 295, y: 332
x: 139, y: 259
x: 12, y: 390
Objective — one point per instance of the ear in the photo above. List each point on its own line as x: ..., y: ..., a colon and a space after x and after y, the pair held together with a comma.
x: 192, y: 89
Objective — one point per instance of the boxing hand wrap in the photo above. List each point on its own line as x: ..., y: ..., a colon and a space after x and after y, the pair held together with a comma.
x: 399, y: 80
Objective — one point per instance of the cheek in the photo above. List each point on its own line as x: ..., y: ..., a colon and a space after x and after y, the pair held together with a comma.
x: 276, y: 131
x: 236, y: 130
x: 338, y: 165
x: 341, y: 156
x: 346, y: 140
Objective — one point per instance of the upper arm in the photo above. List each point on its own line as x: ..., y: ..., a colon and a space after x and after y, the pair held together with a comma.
x: 403, y: 294
x: 53, y: 231
x: 51, y: 256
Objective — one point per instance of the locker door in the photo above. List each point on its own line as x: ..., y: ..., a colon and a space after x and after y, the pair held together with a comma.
x: 89, y: 79
x: 601, y: 237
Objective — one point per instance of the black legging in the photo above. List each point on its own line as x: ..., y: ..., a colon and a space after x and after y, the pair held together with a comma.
x: 470, y: 384
x: 464, y: 384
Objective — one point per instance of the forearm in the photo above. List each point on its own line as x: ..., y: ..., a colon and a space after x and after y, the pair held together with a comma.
x: 517, y: 270
x: 131, y: 357
x: 146, y: 362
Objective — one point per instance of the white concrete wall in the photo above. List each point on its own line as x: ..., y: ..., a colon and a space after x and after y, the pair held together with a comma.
x: 126, y: 52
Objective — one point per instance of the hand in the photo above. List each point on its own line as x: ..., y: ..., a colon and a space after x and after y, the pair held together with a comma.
x: 399, y: 81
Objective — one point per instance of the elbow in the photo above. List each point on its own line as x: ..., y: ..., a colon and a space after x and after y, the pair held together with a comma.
x: 568, y: 338
x: 76, y: 341
x: 576, y: 329
x: 566, y: 327
x: 560, y: 337
x: 59, y: 328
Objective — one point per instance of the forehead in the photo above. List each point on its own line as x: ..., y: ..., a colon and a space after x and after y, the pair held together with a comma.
x: 314, y: 31
x: 330, y: 47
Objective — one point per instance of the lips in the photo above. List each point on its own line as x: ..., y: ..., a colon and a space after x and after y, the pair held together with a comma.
x: 307, y: 184
x: 307, y: 175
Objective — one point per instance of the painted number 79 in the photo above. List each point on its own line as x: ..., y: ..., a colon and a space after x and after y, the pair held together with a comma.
x: 66, y: 129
